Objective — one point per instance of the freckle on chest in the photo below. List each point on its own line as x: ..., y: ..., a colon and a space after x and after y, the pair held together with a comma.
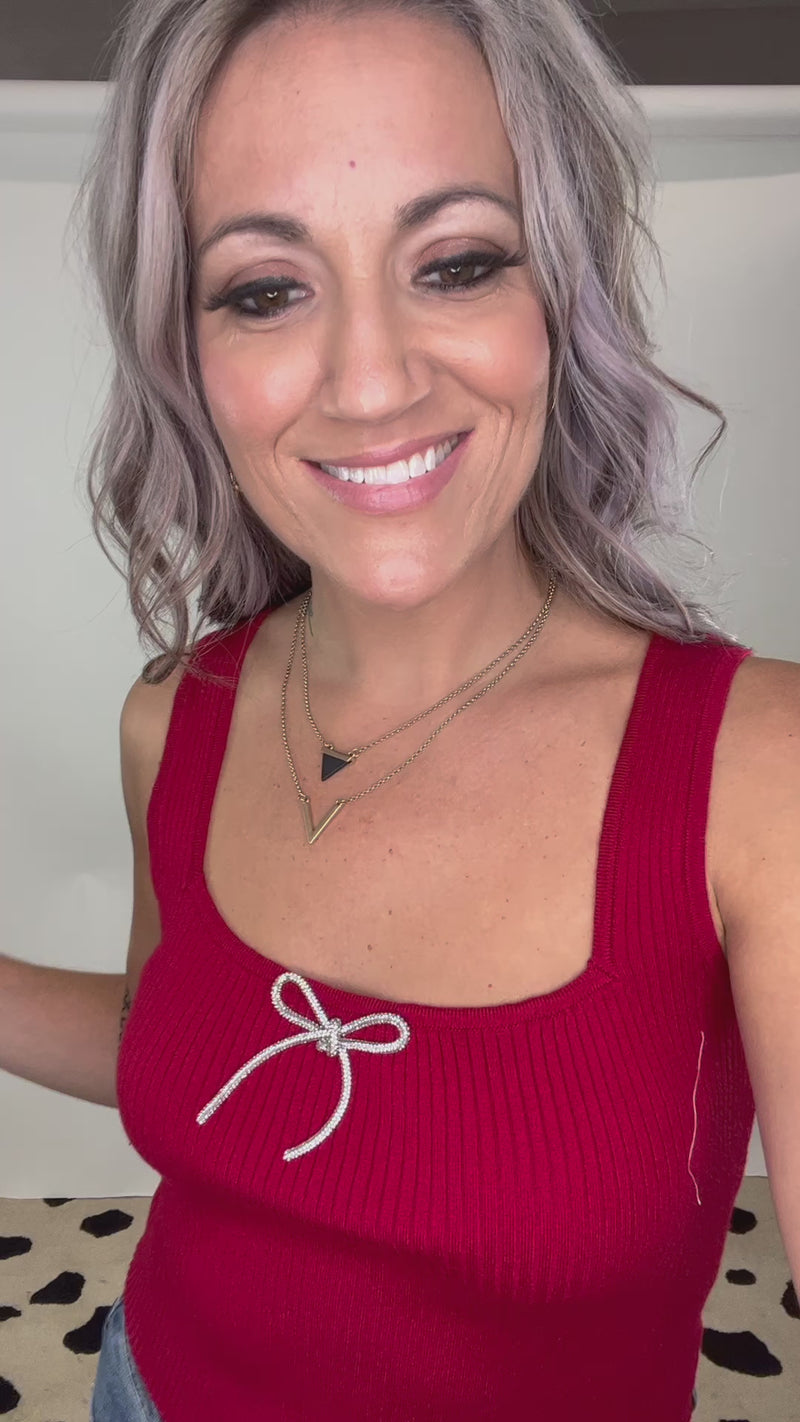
x: 352, y: 162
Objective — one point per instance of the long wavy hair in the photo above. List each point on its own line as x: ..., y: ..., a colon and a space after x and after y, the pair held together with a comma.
x: 609, y: 474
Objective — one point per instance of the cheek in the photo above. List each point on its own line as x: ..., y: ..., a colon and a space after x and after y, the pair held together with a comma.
x: 253, y: 394
x: 506, y: 359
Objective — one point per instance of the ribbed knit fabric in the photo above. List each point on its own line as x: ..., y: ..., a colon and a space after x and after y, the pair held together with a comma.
x: 521, y: 1209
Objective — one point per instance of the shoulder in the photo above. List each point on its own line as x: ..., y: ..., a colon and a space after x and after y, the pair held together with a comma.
x: 148, y: 705
x: 759, y: 895
x: 756, y: 785
x: 760, y: 727
x: 143, y: 725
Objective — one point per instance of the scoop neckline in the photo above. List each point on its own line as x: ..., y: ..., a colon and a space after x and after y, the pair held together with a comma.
x: 598, y: 972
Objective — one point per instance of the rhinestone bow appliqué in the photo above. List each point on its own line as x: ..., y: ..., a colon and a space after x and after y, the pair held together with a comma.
x: 331, y: 1037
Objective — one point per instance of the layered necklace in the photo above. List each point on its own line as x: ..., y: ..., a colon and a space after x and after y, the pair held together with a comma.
x: 334, y: 759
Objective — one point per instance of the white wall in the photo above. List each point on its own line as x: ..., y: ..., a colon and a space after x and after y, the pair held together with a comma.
x: 728, y: 222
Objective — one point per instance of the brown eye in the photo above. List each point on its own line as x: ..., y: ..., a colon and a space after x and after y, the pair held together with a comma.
x: 271, y: 297
x: 465, y: 270
x: 460, y: 273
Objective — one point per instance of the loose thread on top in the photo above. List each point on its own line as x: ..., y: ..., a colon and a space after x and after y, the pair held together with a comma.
x: 694, y: 1108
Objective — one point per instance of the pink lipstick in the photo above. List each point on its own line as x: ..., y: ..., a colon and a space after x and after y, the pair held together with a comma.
x: 388, y: 498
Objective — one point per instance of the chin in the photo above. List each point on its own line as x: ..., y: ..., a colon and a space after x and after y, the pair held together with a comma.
x: 399, y: 588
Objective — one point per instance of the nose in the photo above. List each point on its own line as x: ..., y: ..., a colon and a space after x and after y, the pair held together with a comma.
x: 374, y: 363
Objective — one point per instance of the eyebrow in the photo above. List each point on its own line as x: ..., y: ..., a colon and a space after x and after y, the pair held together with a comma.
x: 409, y: 215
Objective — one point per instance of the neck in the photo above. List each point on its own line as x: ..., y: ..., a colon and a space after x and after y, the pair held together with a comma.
x: 397, y: 659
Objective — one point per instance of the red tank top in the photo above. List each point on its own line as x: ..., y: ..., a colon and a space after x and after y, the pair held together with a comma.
x: 383, y: 1211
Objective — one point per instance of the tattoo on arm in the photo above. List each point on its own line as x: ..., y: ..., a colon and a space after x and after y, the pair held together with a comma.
x: 126, y: 1007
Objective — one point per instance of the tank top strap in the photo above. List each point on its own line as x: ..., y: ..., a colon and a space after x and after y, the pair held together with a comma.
x: 183, y: 793
x: 659, y: 863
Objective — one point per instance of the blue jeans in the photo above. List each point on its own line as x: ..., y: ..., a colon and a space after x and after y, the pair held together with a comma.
x: 119, y: 1393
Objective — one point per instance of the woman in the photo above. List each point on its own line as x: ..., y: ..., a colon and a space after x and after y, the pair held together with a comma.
x: 446, y: 1065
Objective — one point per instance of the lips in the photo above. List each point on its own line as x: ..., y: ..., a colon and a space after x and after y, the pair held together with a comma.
x: 379, y: 458
x: 399, y: 472
x: 391, y: 499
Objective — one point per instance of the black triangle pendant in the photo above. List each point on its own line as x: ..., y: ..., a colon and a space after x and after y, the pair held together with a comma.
x: 331, y: 764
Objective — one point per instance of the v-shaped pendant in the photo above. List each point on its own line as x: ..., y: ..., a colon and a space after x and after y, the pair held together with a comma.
x: 314, y: 831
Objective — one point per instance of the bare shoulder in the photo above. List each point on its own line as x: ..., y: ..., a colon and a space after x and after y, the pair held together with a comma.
x: 759, y: 891
x: 147, y: 701
x: 754, y: 816
x: 144, y: 721
x: 147, y: 708
x: 761, y: 721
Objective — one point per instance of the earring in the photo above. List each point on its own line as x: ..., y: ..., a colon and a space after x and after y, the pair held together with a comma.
x: 236, y: 488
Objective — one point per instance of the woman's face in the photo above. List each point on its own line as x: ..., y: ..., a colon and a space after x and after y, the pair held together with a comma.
x: 365, y: 337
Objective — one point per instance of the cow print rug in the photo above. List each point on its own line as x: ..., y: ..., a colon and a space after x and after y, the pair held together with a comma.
x: 63, y: 1262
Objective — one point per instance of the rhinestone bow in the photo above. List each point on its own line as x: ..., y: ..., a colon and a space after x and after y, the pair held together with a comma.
x: 331, y: 1037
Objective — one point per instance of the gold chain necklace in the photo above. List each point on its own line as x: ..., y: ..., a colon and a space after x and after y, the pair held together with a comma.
x: 314, y: 831
x: 334, y: 760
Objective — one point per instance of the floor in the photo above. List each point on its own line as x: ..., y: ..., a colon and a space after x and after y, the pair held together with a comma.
x: 63, y: 1262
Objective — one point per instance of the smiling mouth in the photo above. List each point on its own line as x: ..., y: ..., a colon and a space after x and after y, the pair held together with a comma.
x: 401, y: 471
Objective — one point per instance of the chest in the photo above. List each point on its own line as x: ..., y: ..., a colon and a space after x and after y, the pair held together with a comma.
x: 470, y: 878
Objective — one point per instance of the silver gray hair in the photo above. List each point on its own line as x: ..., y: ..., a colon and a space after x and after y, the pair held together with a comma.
x: 608, y: 476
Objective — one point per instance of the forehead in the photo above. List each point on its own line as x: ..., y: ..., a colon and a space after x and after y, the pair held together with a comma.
x: 387, y: 100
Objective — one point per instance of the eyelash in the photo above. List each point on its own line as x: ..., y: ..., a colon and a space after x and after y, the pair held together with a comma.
x: 493, y: 261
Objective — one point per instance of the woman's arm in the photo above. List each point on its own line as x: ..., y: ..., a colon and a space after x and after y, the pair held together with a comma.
x: 759, y: 897
x: 61, y: 1027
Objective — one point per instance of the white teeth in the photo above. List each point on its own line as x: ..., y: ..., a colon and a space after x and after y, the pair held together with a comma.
x: 397, y: 473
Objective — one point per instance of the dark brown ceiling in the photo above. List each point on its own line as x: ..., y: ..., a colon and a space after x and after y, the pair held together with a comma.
x: 685, y: 42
